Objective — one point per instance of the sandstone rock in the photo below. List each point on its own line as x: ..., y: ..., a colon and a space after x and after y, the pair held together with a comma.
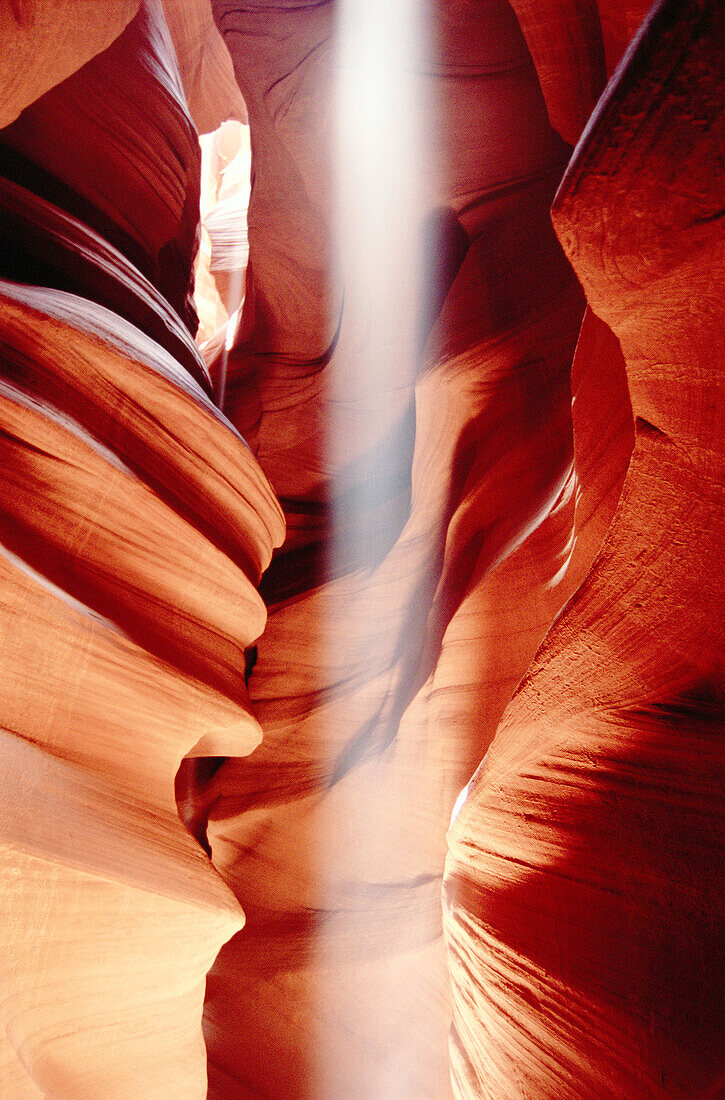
x: 114, y: 146
x: 479, y: 574
x: 134, y: 525
x: 584, y: 908
x: 44, y: 44
x: 212, y: 93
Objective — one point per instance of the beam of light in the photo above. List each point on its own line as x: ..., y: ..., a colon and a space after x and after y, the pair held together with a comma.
x: 382, y: 175
x: 383, y: 183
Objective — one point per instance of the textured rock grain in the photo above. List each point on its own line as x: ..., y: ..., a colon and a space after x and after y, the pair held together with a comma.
x: 134, y: 525
x: 584, y: 902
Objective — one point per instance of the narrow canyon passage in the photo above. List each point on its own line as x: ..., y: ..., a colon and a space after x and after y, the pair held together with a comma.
x: 361, y: 550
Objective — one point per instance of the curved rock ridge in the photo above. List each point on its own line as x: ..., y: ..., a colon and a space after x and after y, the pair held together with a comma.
x: 46, y: 246
x: 212, y: 94
x: 131, y: 395
x: 575, y: 45
x: 44, y: 44
x: 134, y: 527
x: 111, y: 917
x: 584, y: 907
x: 110, y: 519
x: 114, y: 146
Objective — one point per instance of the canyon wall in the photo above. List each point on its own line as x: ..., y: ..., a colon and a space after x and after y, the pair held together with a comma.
x: 493, y: 432
x: 135, y: 526
x: 584, y: 905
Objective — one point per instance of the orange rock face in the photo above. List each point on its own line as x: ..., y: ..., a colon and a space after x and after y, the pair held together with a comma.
x: 584, y: 906
x: 493, y: 430
x: 135, y: 525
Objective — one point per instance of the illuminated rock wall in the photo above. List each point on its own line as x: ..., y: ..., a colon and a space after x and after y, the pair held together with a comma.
x: 135, y: 525
x: 477, y: 570
x: 584, y: 905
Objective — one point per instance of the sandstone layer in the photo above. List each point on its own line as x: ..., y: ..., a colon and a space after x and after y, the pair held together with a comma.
x: 584, y: 881
x: 135, y: 525
x: 496, y: 444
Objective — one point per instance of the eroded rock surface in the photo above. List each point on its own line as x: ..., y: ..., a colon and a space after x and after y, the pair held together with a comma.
x: 584, y: 902
x: 503, y: 495
x: 135, y: 525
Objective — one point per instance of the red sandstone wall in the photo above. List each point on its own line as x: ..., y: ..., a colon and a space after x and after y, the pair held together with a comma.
x: 534, y: 586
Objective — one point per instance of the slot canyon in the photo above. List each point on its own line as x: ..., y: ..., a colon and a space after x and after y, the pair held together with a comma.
x: 362, y: 572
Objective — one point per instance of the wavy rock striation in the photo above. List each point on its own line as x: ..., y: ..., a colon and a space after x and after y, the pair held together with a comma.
x: 584, y: 902
x: 44, y: 44
x: 464, y: 455
x: 135, y: 525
